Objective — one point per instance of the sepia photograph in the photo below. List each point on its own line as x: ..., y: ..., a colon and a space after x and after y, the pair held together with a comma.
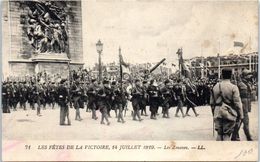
x: 140, y: 71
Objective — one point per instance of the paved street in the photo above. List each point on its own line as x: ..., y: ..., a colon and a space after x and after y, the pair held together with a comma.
x: 26, y: 125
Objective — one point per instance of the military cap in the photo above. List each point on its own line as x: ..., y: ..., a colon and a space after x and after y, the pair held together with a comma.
x: 226, y: 73
x: 93, y: 80
x: 166, y: 81
x: 113, y: 83
x: 62, y: 81
x: 105, y: 82
x: 137, y: 80
x: 145, y: 81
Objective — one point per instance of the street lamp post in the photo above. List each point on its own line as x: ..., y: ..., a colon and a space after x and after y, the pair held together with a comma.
x: 99, y: 47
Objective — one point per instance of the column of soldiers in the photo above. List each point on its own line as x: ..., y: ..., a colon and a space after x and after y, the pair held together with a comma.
x: 81, y: 94
x: 106, y: 96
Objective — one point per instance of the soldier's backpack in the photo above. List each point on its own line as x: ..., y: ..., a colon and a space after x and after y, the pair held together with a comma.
x: 224, y: 110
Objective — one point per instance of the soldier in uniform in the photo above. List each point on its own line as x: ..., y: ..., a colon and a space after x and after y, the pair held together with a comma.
x: 226, y: 93
x: 104, y: 100
x: 137, y: 94
x: 245, y: 94
x: 167, y: 95
x: 5, y: 97
x: 52, y: 94
x: 192, y: 93
x: 119, y: 99
x: 63, y: 101
x: 31, y: 95
x: 114, y: 106
x: 39, y: 93
x: 76, y: 95
x: 154, y: 98
x: 144, y: 99
x: 92, y: 98
x: 15, y: 95
x: 180, y: 95
x: 23, y: 95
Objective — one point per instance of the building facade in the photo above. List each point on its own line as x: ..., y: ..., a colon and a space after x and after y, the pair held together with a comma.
x: 41, y: 36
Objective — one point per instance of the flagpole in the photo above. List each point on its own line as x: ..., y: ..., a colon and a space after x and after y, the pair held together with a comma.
x: 250, y: 63
x: 218, y: 66
x: 120, y: 68
x: 202, y: 62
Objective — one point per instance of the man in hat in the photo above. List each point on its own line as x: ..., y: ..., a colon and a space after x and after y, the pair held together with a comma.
x: 63, y: 100
x: 119, y: 99
x: 167, y: 95
x: 154, y: 98
x: 137, y: 94
x: 144, y: 99
x: 15, y: 95
x: 104, y: 101
x: 76, y: 95
x: 192, y: 93
x: 92, y: 98
x: 245, y: 94
x: 5, y: 98
x: 179, y: 90
x: 23, y: 95
x: 52, y: 94
x: 226, y: 103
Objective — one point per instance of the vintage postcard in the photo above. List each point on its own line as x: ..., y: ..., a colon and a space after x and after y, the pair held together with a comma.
x: 129, y: 80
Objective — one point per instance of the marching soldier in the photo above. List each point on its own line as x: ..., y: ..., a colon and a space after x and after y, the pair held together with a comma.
x: 137, y: 94
x: 63, y: 96
x: 192, y: 93
x: 167, y: 95
x: 23, y: 95
x: 15, y: 95
x: 144, y: 99
x: 154, y: 98
x: 119, y: 99
x: 180, y: 95
x: 52, y: 94
x: 39, y: 94
x: 104, y: 100
x: 76, y: 95
x: 114, y: 103
x: 5, y: 97
x: 245, y: 94
x: 92, y: 98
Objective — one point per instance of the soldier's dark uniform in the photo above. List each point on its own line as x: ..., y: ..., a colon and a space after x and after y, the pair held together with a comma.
x: 39, y: 93
x: 5, y: 98
x: 92, y: 98
x: 167, y: 95
x: 245, y: 94
x: 114, y: 105
x: 52, y: 94
x: 23, y: 95
x: 154, y: 99
x: 76, y: 95
x: 104, y: 101
x: 137, y: 94
x: 63, y: 100
x: 15, y: 96
x: 44, y: 98
x: 144, y: 99
x: 192, y: 94
x: 180, y: 95
x: 32, y: 95
x: 119, y: 99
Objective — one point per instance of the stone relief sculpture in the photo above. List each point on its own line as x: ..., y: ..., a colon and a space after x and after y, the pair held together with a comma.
x: 47, y: 23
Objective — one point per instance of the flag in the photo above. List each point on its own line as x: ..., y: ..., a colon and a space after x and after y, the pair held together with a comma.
x: 123, y: 68
x: 238, y: 44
